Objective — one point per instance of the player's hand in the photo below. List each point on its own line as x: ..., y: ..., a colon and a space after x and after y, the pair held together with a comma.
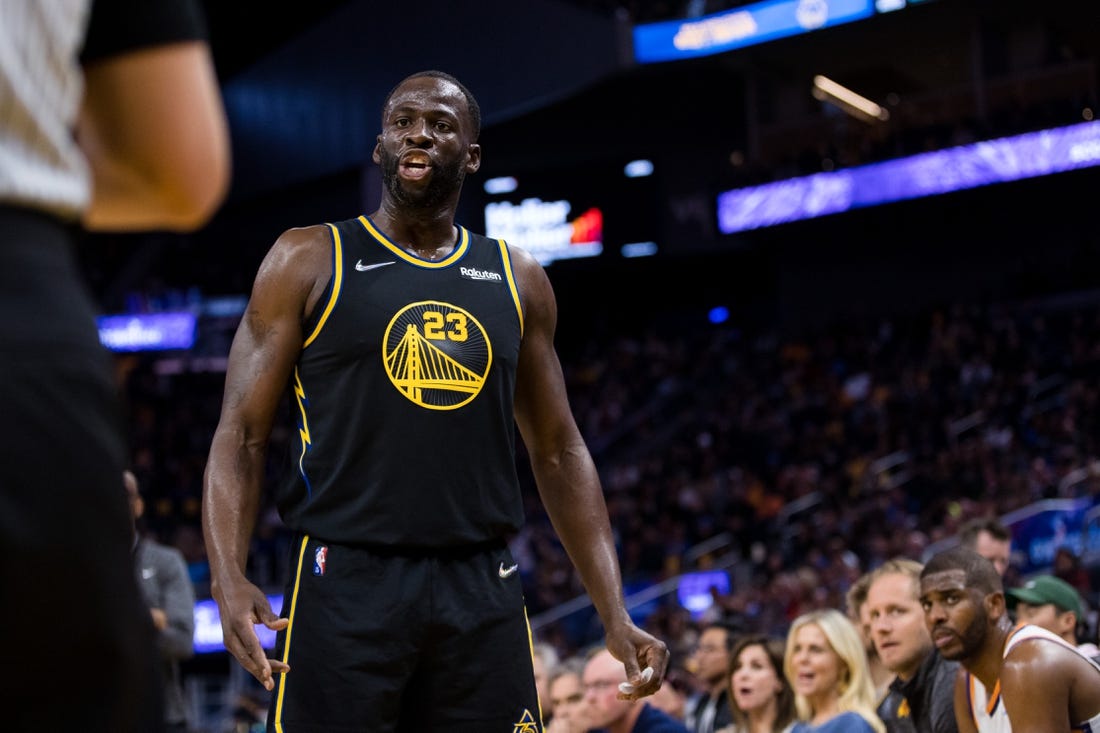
x: 242, y: 605
x: 645, y: 658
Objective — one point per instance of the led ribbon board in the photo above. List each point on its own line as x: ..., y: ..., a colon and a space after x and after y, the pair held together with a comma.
x: 953, y: 169
x: 741, y: 27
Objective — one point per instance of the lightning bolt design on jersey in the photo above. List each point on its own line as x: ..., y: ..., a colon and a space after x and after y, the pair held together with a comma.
x: 303, y: 429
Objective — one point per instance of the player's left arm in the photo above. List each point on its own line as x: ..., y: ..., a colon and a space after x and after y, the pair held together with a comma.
x: 567, y: 480
x: 1036, y: 678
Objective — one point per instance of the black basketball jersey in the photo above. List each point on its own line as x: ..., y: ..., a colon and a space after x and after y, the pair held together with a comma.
x: 403, y: 397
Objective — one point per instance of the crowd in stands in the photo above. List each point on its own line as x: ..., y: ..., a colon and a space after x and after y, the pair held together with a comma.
x: 817, y: 456
x: 874, y: 667
x: 891, y: 433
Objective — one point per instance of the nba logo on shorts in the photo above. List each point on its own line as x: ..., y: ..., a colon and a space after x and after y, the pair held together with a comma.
x: 319, y: 557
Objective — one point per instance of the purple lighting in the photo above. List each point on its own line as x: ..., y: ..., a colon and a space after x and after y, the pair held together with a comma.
x: 147, y: 331
x: 927, y: 174
x: 208, y: 626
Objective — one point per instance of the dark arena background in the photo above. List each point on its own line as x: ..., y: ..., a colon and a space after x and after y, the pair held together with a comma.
x: 802, y: 336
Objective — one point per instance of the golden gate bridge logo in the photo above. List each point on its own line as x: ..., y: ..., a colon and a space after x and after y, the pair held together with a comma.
x: 436, y: 354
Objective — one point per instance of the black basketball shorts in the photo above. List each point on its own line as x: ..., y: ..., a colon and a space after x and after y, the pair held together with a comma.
x: 388, y: 641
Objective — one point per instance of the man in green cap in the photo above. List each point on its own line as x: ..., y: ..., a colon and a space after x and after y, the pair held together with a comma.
x: 1053, y: 604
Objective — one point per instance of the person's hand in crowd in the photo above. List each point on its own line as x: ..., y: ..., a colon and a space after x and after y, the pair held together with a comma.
x: 160, y: 618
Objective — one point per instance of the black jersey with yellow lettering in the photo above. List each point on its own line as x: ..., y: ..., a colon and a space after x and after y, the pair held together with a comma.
x: 403, y: 397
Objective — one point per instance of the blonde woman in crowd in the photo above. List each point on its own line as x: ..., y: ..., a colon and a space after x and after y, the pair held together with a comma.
x: 826, y: 665
x: 761, y: 699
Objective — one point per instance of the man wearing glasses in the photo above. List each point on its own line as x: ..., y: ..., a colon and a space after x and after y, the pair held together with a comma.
x: 607, y: 707
x: 710, y: 710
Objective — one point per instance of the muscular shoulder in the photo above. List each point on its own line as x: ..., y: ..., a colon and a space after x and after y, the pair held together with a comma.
x: 303, y: 243
x: 524, y: 265
x: 298, y: 265
x: 1038, y: 665
x: 534, y: 286
x: 1047, y: 683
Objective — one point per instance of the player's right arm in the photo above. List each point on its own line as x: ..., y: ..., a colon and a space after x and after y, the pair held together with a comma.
x: 265, y: 349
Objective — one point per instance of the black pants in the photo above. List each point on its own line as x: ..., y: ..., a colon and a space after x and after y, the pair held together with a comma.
x: 76, y: 638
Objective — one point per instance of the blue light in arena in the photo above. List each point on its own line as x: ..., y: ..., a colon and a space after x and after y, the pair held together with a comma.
x: 638, y: 168
x: 943, y: 171
x: 694, y: 590
x: 638, y: 249
x: 501, y: 184
x: 718, y: 314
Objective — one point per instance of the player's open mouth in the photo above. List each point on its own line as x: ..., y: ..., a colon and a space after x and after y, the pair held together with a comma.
x: 415, y: 166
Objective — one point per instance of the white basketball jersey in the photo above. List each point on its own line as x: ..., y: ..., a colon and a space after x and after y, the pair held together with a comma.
x: 988, y: 710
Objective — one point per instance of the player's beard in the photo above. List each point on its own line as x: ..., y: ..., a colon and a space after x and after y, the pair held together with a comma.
x: 445, y: 180
x: 970, y: 638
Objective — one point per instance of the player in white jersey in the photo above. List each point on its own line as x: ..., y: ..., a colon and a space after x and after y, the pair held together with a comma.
x: 1024, y: 678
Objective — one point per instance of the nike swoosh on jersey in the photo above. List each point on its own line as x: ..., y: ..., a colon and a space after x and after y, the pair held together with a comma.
x: 363, y: 268
x: 507, y: 572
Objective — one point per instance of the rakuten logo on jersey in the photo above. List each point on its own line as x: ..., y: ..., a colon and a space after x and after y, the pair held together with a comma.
x: 472, y: 273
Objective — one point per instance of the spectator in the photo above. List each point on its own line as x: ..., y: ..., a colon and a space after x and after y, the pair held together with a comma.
x: 168, y: 593
x: 544, y: 657
x: 566, y: 695
x: 1053, y: 604
x: 1067, y: 566
x: 605, y: 709
x: 827, y: 668
x: 920, y: 697
x: 859, y: 615
x: 760, y: 696
x: 989, y: 538
x: 709, y: 710
x: 674, y: 694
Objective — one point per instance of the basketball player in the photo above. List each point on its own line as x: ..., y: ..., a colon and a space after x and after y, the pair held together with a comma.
x: 1021, y: 678
x: 411, y: 348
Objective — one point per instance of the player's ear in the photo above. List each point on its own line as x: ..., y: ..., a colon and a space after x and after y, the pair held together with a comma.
x: 1067, y: 620
x: 473, y: 158
x: 995, y: 604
